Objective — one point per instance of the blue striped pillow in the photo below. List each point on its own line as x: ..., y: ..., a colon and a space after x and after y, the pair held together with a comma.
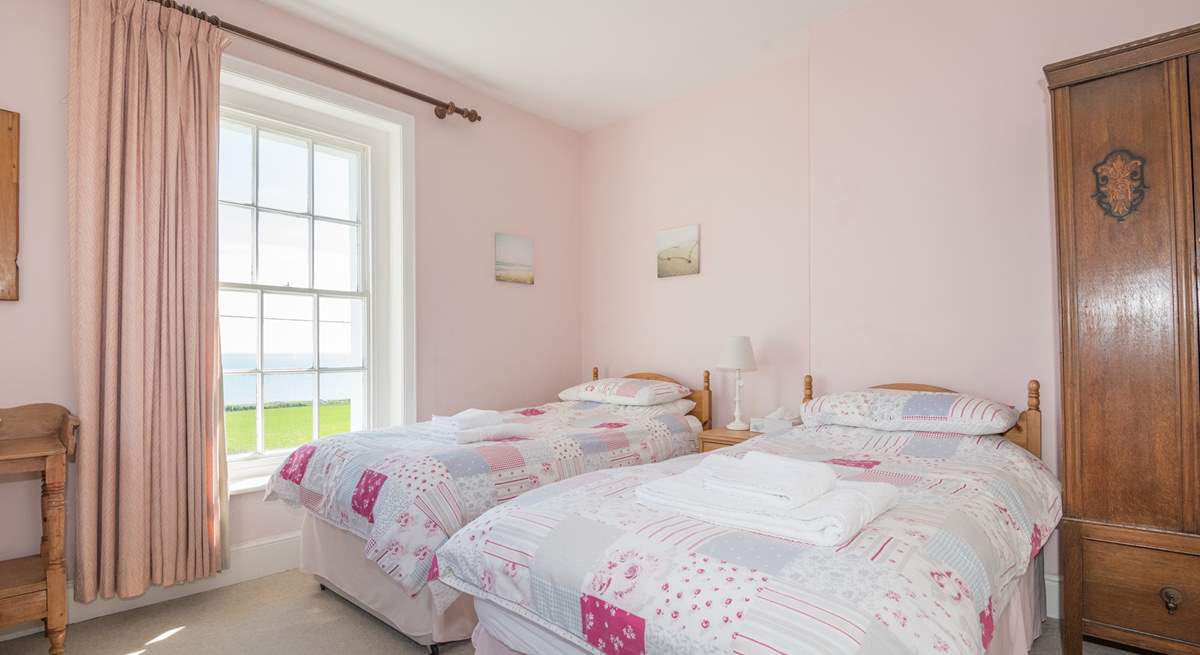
x: 923, y: 411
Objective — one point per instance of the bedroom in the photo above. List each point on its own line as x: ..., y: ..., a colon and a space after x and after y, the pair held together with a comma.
x: 873, y: 184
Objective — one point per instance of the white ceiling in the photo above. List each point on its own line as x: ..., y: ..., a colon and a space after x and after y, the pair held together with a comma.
x: 580, y: 63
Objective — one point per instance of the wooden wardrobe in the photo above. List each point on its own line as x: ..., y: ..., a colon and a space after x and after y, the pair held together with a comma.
x: 1126, y: 125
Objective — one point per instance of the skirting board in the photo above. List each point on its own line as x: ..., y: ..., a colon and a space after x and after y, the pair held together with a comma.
x: 253, y: 559
x: 1053, y: 596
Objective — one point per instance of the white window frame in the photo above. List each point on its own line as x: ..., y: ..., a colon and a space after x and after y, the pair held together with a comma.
x: 387, y: 235
x: 362, y: 224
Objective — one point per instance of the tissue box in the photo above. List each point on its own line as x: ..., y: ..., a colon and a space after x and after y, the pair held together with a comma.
x: 773, y: 424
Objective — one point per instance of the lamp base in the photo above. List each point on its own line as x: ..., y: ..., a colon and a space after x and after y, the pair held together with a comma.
x: 740, y: 426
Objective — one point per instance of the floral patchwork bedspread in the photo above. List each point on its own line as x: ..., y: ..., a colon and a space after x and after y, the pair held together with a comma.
x: 583, y: 559
x: 407, y: 489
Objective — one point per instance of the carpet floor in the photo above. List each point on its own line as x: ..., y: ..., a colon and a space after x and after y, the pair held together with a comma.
x: 284, y: 614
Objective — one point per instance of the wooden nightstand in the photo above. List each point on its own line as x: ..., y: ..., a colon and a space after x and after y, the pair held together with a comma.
x: 722, y: 437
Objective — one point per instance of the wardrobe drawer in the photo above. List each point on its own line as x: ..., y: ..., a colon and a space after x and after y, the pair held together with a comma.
x: 1142, y: 589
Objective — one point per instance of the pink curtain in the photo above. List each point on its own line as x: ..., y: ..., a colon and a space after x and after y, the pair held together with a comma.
x: 143, y: 128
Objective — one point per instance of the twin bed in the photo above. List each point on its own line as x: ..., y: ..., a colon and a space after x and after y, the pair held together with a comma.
x: 581, y: 567
x: 379, y: 503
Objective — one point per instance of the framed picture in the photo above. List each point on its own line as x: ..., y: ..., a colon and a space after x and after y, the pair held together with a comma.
x: 10, y: 134
x: 514, y: 258
x: 679, y: 251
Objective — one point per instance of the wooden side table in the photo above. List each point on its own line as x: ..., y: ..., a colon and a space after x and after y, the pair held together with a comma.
x: 715, y: 438
x: 39, y: 438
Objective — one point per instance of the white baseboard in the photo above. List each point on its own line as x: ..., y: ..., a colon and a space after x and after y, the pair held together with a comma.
x: 253, y: 559
x: 1053, y: 596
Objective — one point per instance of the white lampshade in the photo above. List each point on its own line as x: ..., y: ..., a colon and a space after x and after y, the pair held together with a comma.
x: 738, y: 354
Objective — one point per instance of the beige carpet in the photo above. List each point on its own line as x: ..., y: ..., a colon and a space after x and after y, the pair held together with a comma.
x: 285, y: 614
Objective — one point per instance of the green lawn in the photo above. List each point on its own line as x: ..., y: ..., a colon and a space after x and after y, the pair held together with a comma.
x: 284, y: 427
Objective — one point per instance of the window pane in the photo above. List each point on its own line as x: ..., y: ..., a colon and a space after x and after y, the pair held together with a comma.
x: 336, y: 258
x: 287, y: 331
x: 282, y: 172
x: 287, y: 410
x: 335, y: 183
x: 282, y: 250
x: 239, y: 330
x: 241, y: 400
x: 343, y: 403
x: 342, y: 332
x: 236, y: 163
x: 236, y: 237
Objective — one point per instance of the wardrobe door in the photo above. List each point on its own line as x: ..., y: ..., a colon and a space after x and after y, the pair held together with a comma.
x: 1191, y: 459
x: 1128, y: 254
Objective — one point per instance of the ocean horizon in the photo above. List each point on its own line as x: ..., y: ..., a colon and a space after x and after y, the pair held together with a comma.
x: 240, y: 389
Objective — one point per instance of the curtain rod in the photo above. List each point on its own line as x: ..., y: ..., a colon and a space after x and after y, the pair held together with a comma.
x: 441, y: 108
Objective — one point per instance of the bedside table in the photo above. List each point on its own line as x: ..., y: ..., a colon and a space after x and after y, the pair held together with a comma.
x: 721, y: 437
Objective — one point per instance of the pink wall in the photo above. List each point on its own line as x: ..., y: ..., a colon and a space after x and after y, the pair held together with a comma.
x: 933, y: 232
x: 35, y: 333
x: 933, y: 240
x: 733, y: 158
x: 914, y: 141
x: 513, y: 172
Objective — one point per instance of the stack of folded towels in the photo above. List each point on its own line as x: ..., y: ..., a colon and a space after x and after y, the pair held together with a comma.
x: 774, y: 495
x: 472, y: 425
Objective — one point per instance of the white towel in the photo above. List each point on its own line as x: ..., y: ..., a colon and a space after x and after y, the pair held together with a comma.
x: 468, y: 419
x: 496, y: 432
x: 831, y: 520
x: 770, y: 480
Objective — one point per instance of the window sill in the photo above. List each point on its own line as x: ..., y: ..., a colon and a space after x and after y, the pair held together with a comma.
x: 251, y: 475
x: 256, y: 484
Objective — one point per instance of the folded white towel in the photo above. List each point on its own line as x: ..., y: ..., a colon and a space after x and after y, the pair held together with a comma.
x: 468, y: 419
x: 769, y: 480
x: 831, y: 520
x: 496, y: 432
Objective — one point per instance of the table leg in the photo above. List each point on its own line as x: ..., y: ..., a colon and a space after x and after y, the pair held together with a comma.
x: 54, y: 490
x: 45, y: 555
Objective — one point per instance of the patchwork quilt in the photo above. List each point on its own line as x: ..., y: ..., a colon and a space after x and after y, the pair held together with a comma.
x: 583, y: 559
x: 405, y: 490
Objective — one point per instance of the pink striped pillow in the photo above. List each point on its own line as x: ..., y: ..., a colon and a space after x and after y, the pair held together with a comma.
x: 895, y: 410
x: 626, y: 391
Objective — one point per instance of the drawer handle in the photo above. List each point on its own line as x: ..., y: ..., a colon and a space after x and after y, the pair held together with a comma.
x: 1171, y: 598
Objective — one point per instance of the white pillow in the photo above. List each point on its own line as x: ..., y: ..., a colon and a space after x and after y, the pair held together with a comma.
x: 922, y: 411
x: 626, y: 391
x: 676, y: 407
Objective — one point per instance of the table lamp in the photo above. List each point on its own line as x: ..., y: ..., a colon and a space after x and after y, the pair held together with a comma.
x: 738, y: 356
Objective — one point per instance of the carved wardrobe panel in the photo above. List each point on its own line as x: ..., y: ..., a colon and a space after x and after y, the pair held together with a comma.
x: 1125, y: 255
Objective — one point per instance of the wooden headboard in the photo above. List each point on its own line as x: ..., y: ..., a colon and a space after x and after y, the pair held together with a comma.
x: 702, y: 397
x: 1027, y: 433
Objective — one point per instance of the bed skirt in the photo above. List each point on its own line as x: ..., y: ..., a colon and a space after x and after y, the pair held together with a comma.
x: 336, y: 558
x: 1018, y: 625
